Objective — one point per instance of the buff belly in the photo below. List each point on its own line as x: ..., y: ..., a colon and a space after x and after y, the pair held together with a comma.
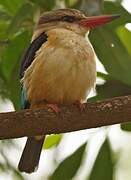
x: 63, y: 71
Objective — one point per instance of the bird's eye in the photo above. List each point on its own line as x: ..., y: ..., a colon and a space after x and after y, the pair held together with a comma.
x: 68, y: 18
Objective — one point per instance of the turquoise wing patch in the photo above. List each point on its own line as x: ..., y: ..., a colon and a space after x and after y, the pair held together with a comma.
x: 24, y: 101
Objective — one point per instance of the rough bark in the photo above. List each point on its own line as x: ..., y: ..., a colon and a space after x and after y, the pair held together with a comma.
x: 41, y: 121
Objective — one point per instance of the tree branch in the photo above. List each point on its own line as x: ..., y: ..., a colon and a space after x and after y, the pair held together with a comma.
x: 41, y: 121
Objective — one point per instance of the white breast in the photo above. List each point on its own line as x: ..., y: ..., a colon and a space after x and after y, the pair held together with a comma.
x: 63, y: 71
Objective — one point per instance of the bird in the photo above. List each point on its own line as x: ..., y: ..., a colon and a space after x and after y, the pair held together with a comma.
x: 58, y: 68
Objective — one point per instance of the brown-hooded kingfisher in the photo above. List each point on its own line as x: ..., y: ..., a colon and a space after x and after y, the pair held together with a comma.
x: 59, y: 67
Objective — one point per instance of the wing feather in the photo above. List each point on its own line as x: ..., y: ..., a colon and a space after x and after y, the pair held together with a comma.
x: 30, y: 53
x: 27, y: 59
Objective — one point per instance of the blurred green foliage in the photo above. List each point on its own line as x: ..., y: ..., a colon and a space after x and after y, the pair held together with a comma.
x: 105, y: 159
x: 112, y: 46
x: 52, y: 140
x: 69, y: 166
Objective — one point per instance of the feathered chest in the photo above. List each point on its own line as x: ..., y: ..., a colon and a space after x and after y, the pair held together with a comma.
x: 63, y: 69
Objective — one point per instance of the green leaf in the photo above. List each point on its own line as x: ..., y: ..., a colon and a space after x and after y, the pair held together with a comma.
x: 125, y: 36
x: 67, y: 169
x: 112, y: 53
x: 13, y: 53
x: 11, y: 6
x: 4, y: 16
x: 52, y: 140
x: 23, y: 16
x: 108, y: 46
x: 104, y: 165
x: 112, y: 88
x: 3, y: 30
x: 3, y: 86
x: 10, y: 65
x: 14, y: 87
x: 114, y: 7
x: 43, y: 3
x: 126, y: 127
x: 73, y: 3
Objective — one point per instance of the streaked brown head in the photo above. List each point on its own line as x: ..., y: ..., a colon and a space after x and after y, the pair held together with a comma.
x: 63, y: 15
x: 75, y: 17
x: 70, y: 19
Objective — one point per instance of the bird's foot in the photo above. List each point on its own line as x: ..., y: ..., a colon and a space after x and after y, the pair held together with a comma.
x: 53, y: 107
x: 81, y: 106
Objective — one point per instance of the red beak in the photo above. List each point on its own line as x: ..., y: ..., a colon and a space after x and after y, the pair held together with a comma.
x: 91, y: 22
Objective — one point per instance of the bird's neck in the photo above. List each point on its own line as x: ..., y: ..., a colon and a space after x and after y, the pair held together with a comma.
x: 65, y: 38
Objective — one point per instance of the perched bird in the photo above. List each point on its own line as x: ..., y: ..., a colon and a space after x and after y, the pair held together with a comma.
x: 58, y: 68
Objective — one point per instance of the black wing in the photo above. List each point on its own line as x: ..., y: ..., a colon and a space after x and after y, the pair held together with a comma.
x: 30, y: 53
x: 26, y: 62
